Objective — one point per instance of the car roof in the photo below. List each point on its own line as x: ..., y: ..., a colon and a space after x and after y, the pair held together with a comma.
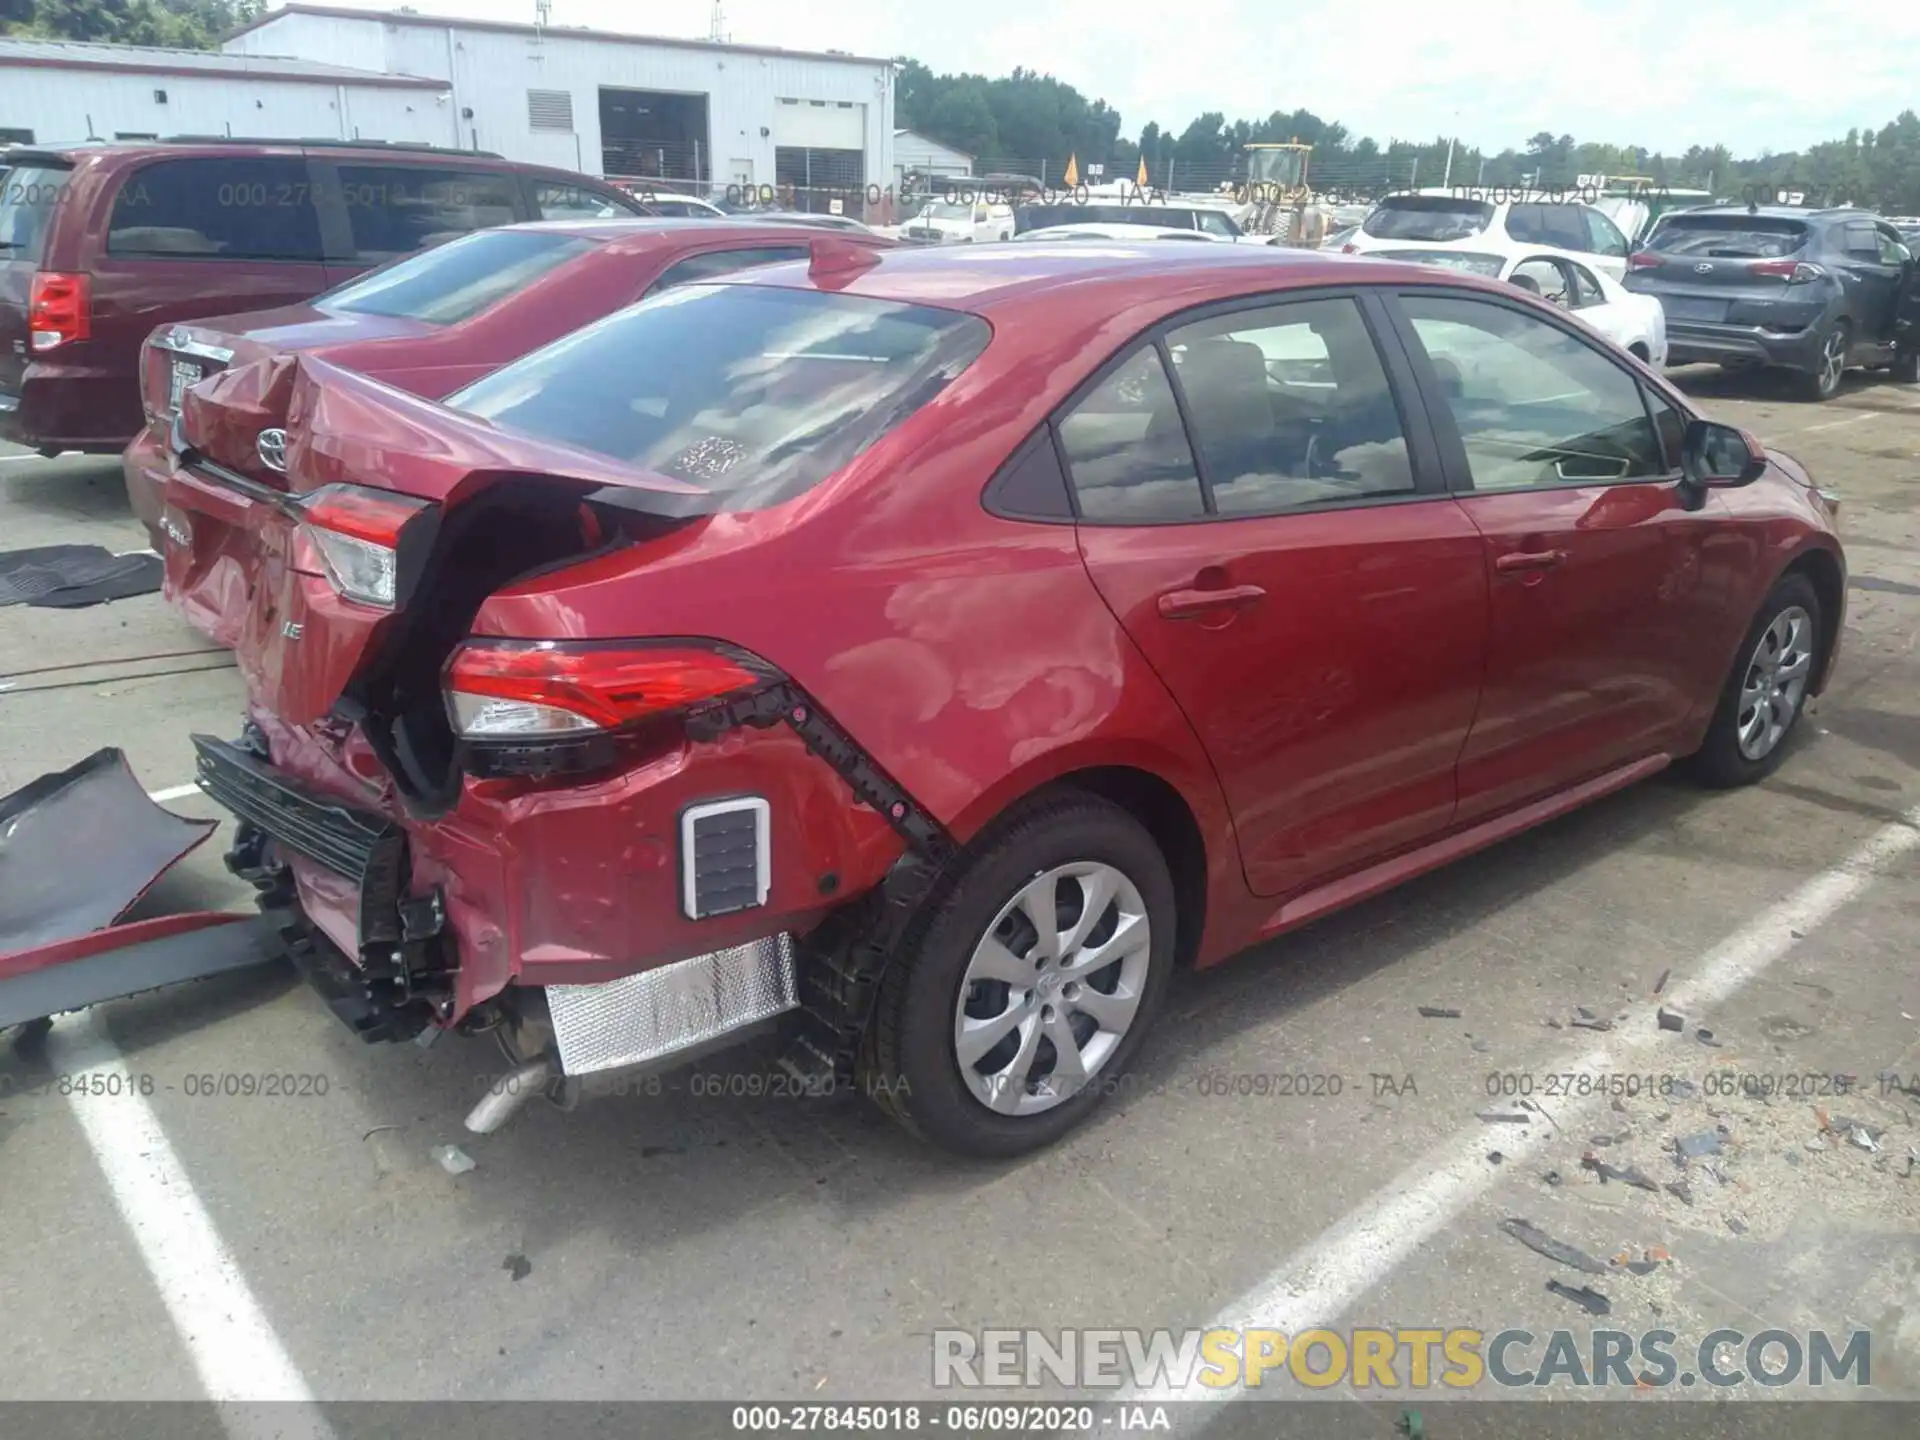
x: 1781, y: 212
x: 1092, y: 277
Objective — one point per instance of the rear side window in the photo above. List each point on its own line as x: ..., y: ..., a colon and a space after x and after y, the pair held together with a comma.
x: 238, y: 208
x: 756, y: 392
x: 552, y: 201
x: 1562, y: 226
x: 398, y: 209
x: 720, y: 262
x: 28, y: 196
x: 1126, y: 448
x: 1427, y: 217
x: 458, y: 280
x: 1732, y: 237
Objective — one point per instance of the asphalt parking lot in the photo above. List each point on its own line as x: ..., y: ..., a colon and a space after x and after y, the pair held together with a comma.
x: 694, y: 1245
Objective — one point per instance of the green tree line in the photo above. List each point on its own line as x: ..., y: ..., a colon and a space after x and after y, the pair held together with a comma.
x: 187, y: 24
x: 1031, y: 123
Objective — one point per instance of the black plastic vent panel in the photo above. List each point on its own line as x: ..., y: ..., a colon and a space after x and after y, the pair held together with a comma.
x: 724, y: 857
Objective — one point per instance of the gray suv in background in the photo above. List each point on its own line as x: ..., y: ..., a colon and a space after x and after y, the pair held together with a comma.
x: 1812, y: 291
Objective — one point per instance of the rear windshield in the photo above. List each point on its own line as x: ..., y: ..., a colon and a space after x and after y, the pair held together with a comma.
x: 755, y: 392
x: 459, y: 279
x: 1040, y: 217
x: 1733, y: 237
x: 1464, y: 261
x: 1427, y: 217
x: 28, y: 195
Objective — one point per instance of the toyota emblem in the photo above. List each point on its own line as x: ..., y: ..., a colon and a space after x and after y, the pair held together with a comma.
x: 1705, y: 267
x: 272, y: 447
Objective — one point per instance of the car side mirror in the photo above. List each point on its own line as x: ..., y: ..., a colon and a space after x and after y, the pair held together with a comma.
x: 1719, y: 457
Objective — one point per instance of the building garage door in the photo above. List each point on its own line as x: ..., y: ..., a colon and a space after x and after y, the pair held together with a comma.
x: 819, y: 150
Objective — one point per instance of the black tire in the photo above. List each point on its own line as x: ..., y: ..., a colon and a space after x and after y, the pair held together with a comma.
x: 1823, y: 383
x: 909, y: 1065
x: 1906, y: 369
x: 1719, y: 761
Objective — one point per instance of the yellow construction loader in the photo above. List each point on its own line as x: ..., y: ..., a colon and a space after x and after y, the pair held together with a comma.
x: 1279, y: 201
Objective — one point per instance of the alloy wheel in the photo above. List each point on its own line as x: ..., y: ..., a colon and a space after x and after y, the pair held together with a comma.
x: 1052, y: 988
x: 1775, y: 682
x: 1833, y: 360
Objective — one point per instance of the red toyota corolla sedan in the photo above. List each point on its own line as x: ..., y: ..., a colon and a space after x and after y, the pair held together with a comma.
x: 435, y: 321
x: 928, y: 651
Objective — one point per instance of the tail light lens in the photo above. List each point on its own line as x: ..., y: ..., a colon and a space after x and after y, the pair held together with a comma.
x: 1794, y: 272
x: 1349, y: 248
x: 530, y: 690
x: 1644, y: 260
x: 59, y: 310
x: 358, y: 533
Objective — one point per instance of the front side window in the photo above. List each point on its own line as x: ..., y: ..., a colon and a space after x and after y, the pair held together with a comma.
x: 239, y: 208
x: 1126, y: 449
x: 398, y: 209
x: 456, y: 281
x: 1290, y: 408
x: 1533, y: 405
x: 1561, y: 226
x: 755, y: 392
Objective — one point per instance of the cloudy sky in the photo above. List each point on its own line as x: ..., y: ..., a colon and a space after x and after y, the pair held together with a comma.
x: 1753, y: 74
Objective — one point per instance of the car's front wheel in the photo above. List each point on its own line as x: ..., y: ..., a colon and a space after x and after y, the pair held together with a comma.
x: 1018, y: 1000
x: 1766, y: 693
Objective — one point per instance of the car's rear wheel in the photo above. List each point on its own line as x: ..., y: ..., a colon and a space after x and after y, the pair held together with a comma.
x: 1018, y: 1000
x: 1906, y: 368
x: 1766, y: 693
x: 1823, y: 381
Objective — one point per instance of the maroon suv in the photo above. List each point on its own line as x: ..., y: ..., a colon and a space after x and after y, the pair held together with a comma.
x: 101, y: 243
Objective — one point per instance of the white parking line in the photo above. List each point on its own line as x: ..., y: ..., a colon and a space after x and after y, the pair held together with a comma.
x: 225, y: 1334
x: 1325, y: 1277
x: 178, y: 792
x: 1839, y: 424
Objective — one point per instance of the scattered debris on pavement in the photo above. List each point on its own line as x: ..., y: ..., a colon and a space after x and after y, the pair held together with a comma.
x: 1626, y: 1174
x: 452, y: 1159
x: 1438, y: 1012
x: 517, y: 1265
x: 1661, y: 983
x: 1586, y: 1297
x: 1541, y: 1243
x: 1670, y: 1021
x: 69, y: 577
x: 1505, y: 1117
x: 1707, y: 1142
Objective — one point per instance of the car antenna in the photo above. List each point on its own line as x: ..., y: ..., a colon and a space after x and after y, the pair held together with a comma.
x: 833, y: 258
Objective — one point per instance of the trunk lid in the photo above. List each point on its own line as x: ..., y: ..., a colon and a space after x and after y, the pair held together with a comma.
x: 249, y: 570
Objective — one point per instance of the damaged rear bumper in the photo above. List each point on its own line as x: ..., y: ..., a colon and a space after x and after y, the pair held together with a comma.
x: 403, y: 972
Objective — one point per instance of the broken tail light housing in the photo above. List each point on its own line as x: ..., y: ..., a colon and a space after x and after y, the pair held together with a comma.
x: 532, y: 690
x: 59, y: 310
x: 1794, y: 272
x: 361, y: 535
x: 1645, y: 260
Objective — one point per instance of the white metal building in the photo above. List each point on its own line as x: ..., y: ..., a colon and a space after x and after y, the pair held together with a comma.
x: 52, y: 91
x: 612, y: 104
x: 917, y: 154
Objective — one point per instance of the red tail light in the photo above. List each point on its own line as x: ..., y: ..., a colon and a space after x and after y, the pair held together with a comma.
x: 358, y: 534
x: 59, y: 310
x: 1349, y: 248
x: 520, y: 690
x: 1644, y: 260
x: 1794, y: 272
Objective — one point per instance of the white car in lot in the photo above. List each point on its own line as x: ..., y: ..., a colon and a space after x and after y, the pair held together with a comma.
x: 959, y: 222
x: 1492, y: 220
x: 1570, y: 281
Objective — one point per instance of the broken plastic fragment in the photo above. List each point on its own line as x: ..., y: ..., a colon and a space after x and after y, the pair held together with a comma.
x: 1670, y: 1021
x: 1692, y: 1147
x: 1541, y: 1243
x: 1438, y: 1012
x: 452, y: 1159
x: 1586, y: 1297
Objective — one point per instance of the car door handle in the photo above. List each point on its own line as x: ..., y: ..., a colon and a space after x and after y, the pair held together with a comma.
x: 1187, y: 604
x: 1529, y: 560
